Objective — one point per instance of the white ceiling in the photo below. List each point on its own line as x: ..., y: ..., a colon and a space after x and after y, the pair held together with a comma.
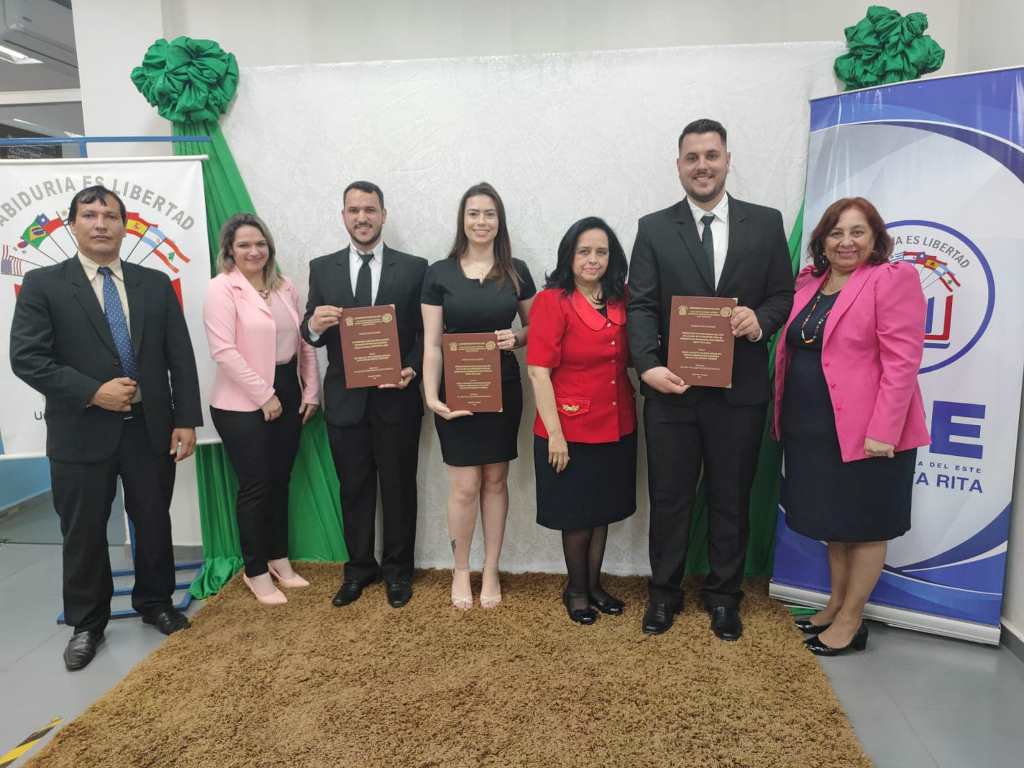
x: 49, y: 119
x: 35, y: 77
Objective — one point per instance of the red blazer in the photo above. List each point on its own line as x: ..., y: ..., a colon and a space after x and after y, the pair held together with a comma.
x: 588, y: 355
x: 870, y: 355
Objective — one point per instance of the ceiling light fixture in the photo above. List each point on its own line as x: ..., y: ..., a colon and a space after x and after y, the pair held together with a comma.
x: 12, y: 56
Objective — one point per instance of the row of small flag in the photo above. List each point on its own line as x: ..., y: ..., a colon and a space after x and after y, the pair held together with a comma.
x: 934, y: 268
x: 42, y: 227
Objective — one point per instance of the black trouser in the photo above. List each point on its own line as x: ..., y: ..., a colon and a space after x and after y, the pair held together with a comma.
x: 82, y: 495
x: 262, y: 453
x: 362, y: 453
x: 725, y: 439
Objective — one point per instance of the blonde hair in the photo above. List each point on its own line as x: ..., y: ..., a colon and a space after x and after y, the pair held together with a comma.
x: 225, y: 258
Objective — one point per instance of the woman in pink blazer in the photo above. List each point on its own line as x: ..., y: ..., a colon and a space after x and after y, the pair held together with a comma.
x: 849, y: 411
x: 267, y: 386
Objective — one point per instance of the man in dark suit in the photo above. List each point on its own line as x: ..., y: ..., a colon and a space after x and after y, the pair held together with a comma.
x: 106, y: 342
x: 710, y: 244
x: 373, y: 432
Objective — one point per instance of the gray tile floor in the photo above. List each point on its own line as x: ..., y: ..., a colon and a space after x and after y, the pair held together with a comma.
x: 34, y: 686
x: 916, y: 701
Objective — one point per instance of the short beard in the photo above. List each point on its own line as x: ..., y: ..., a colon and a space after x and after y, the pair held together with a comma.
x: 698, y: 198
x: 357, y: 241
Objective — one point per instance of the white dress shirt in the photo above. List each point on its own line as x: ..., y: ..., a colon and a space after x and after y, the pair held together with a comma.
x: 720, y: 235
x: 719, y: 230
x: 354, y: 263
x: 92, y: 274
x: 376, y: 264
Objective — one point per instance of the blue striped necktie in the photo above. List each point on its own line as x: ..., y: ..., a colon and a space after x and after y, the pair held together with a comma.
x: 118, y: 325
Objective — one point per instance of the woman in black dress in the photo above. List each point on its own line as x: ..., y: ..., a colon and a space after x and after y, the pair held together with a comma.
x: 584, y: 445
x: 849, y: 410
x: 479, y: 288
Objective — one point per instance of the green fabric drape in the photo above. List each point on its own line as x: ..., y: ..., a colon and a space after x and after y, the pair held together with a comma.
x: 885, y: 47
x: 764, y: 496
x: 187, y: 80
x: 192, y: 82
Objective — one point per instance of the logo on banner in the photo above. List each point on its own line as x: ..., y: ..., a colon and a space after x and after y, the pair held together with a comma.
x: 40, y: 236
x: 958, y: 287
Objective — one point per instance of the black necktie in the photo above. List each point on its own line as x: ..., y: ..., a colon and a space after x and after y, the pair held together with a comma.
x: 363, y: 285
x: 708, y: 241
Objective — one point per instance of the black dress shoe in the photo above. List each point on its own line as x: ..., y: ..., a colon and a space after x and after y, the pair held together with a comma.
x: 804, y: 625
x: 659, y: 616
x: 81, y: 648
x: 606, y: 603
x: 399, y: 593
x: 585, y: 615
x: 858, y: 643
x: 351, y: 591
x: 725, y: 622
x: 168, y: 621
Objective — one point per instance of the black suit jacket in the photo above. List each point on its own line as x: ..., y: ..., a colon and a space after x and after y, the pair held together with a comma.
x: 668, y: 260
x: 61, y: 346
x: 401, y: 281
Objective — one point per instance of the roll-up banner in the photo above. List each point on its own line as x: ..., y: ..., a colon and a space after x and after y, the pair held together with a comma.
x: 943, y: 161
x: 165, y: 230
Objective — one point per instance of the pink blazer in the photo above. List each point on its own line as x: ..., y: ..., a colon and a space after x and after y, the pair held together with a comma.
x: 871, y: 352
x: 243, y: 342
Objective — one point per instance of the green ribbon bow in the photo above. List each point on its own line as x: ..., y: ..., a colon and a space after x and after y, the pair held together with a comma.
x: 885, y: 47
x: 187, y: 80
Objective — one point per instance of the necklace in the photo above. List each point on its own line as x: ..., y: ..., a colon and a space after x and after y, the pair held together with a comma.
x: 803, y: 326
x: 475, y: 270
x: 593, y: 298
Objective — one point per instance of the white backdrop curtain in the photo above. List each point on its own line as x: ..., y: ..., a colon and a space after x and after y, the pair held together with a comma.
x: 561, y: 136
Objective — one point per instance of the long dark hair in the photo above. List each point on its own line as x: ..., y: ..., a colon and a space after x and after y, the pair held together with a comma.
x: 503, y: 269
x: 613, y: 281
x: 883, y: 240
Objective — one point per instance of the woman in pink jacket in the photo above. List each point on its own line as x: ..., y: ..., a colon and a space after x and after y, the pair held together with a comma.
x: 267, y: 387
x: 849, y: 411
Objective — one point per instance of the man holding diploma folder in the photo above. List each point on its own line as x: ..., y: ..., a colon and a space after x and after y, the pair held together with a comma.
x: 709, y: 244
x: 373, y: 431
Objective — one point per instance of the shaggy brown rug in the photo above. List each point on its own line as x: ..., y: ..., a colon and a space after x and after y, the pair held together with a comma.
x: 307, y: 684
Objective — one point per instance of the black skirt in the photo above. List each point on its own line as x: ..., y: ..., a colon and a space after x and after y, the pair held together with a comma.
x: 597, y: 487
x: 824, y: 497
x: 483, y: 438
x: 829, y: 500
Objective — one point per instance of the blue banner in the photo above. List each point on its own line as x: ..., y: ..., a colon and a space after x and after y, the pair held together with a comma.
x: 943, y: 161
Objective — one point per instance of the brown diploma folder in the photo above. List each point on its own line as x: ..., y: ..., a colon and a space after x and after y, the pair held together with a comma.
x: 369, y: 346
x: 472, y: 372
x: 700, y: 343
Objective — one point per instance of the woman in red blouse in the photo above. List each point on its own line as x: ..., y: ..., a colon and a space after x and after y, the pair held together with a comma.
x: 585, y: 431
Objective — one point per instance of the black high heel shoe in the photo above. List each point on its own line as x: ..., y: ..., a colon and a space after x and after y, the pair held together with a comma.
x: 858, y: 643
x: 584, y: 616
x: 606, y: 603
x: 804, y: 625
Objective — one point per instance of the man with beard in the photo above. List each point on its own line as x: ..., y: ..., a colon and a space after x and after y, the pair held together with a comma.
x: 373, y: 432
x: 709, y: 244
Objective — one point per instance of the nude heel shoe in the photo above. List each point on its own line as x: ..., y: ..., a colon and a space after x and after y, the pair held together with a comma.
x: 462, y: 595
x: 492, y: 599
x: 292, y: 581
x: 274, y: 598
